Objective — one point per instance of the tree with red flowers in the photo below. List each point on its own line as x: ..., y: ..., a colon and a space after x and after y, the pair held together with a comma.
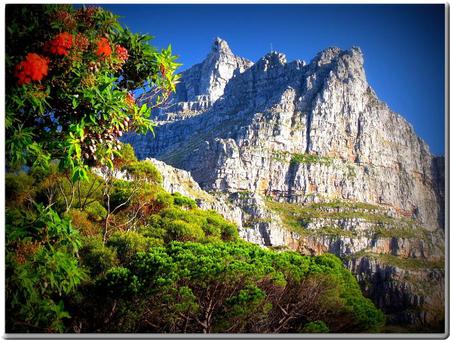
x: 70, y: 76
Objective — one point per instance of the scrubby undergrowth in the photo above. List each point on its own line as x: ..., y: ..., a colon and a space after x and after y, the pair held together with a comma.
x: 126, y: 256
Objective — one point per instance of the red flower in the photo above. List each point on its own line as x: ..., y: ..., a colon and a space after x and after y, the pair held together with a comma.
x: 33, y: 68
x: 103, y: 48
x: 60, y: 44
x: 122, y: 53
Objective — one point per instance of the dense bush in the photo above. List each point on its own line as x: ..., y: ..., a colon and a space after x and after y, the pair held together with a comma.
x: 231, y: 287
x: 183, y: 201
x: 184, y: 231
x: 315, y: 327
x: 127, y: 244
x: 41, y: 267
x: 96, y: 257
x: 82, y: 223
x: 144, y: 170
x: 96, y: 211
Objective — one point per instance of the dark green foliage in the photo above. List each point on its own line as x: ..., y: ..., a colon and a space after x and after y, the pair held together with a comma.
x: 41, y: 266
x: 183, y: 201
x: 233, y: 287
x: 96, y: 257
x: 96, y: 211
x: 315, y: 327
x: 144, y: 170
x: 127, y: 244
x: 119, y: 282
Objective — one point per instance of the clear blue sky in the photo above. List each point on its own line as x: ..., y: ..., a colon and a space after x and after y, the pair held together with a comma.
x: 403, y: 45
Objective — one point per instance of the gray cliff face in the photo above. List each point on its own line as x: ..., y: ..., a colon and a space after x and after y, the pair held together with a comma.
x: 273, y: 136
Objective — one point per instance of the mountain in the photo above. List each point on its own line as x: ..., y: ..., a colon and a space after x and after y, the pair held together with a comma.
x: 305, y: 156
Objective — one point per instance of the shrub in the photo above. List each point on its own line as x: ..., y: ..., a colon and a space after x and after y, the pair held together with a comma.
x: 164, y: 199
x: 215, y: 225
x: 127, y: 155
x: 42, y: 268
x: 96, y: 211
x: 96, y: 257
x: 121, y: 192
x: 144, y: 170
x: 229, y: 232
x: 126, y: 244
x: 184, y: 231
x: 119, y: 282
x: 315, y: 327
x: 183, y: 201
x: 82, y: 223
x: 18, y: 188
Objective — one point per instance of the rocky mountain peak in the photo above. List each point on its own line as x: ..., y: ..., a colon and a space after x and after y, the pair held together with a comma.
x: 272, y: 59
x: 220, y: 46
x: 327, y: 56
x: 334, y: 56
x: 202, y: 84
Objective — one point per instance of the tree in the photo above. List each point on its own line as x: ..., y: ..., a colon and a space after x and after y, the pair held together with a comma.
x: 71, y: 74
x: 70, y: 77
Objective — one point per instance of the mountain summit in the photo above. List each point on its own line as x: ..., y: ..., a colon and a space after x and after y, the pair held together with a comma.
x: 204, y: 83
x: 305, y: 156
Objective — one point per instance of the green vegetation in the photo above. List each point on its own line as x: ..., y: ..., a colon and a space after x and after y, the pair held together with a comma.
x: 315, y: 327
x: 183, y: 201
x: 296, y: 217
x: 226, y: 287
x: 143, y: 170
x: 307, y: 158
x: 301, y: 158
x: 154, y: 262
